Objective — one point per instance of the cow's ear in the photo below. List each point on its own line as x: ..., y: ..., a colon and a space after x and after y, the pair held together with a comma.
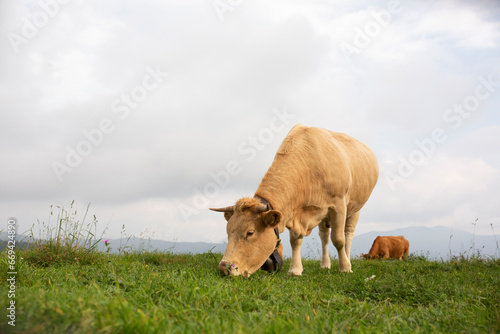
x: 271, y: 218
x: 228, y: 215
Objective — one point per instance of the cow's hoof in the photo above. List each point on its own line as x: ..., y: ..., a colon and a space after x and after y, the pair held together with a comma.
x: 295, y: 273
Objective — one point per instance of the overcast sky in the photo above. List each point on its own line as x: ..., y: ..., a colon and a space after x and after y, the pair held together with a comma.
x: 153, y: 112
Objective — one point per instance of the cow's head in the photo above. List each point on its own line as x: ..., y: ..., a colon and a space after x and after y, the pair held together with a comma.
x: 251, y: 237
x: 369, y: 256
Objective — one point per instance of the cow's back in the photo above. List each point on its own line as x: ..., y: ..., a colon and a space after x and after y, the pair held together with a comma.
x: 363, y: 168
x: 315, y: 168
x: 331, y: 162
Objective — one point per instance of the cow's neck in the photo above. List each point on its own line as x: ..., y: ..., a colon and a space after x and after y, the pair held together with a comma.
x: 264, y: 201
x: 279, y: 188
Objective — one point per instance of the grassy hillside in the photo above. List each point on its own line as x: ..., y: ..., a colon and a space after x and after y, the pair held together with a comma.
x: 157, y: 292
x: 64, y: 284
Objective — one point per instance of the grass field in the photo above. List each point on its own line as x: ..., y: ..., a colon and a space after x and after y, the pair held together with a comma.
x: 64, y: 285
x: 155, y: 292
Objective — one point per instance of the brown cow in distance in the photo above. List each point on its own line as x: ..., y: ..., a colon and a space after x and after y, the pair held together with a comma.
x: 389, y: 247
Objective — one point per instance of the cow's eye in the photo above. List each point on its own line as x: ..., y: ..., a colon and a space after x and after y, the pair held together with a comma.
x: 250, y: 234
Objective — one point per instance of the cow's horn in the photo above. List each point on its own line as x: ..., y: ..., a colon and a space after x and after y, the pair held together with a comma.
x: 263, y: 208
x: 226, y: 209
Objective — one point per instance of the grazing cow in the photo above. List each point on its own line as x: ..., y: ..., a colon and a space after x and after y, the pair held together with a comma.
x: 389, y: 247
x: 318, y: 178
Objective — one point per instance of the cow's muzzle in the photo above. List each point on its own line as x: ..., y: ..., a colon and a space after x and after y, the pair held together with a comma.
x: 226, y: 268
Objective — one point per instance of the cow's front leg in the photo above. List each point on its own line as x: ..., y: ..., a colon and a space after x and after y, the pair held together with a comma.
x: 324, y: 235
x: 296, y: 243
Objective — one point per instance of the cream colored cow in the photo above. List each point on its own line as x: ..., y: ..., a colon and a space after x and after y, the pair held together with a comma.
x: 318, y: 178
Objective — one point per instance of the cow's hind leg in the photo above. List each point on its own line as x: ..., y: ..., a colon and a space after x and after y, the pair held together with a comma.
x: 338, y: 221
x: 324, y: 235
x: 350, y: 226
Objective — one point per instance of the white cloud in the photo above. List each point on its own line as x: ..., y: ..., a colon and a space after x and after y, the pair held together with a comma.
x: 468, y: 26
x: 225, y: 78
x: 483, y: 142
x: 440, y: 192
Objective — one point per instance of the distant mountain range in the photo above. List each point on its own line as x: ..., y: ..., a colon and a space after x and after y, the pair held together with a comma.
x: 434, y: 243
